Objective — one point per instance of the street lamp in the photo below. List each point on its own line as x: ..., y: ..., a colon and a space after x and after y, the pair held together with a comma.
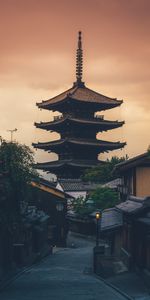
x: 97, y: 216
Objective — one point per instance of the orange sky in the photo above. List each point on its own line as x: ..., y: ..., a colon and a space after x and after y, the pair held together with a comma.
x: 37, y: 61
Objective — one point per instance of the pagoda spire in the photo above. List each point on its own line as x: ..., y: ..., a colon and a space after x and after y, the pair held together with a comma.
x: 79, y: 60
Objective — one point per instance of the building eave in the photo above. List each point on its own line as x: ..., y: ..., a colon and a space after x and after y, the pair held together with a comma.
x: 96, y: 123
x: 142, y: 159
x: 79, y: 142
x: 68, y: 162
x: 80, y: 95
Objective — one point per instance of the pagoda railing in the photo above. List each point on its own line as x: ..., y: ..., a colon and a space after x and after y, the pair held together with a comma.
x: 56, y: 118
x: 96, y: 117
x: 101, y: 117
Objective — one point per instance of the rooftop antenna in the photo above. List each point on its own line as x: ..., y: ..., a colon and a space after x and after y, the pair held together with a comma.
x: 11, y: 133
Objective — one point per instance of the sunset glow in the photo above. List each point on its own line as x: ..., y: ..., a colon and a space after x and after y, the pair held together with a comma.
x: 37, y: 61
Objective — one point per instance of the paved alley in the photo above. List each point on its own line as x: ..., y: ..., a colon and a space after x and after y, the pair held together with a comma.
x: 65, y: 275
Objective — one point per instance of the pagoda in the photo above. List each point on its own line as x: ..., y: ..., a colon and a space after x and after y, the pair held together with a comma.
x: 78, y: 148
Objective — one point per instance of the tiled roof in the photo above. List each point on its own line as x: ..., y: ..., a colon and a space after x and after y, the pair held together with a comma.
x: 83, y: 94
x: 79, y: 141
x: 68, y: 162
x: 134, y: 204
x: 129, y: 206
x: 111, y: 218
x: 49, y: 187
x: 90, y: 121
x: 73, y: 185
x: 51, y: 184
x: 86, y: 94
x: 142, y: 159
x: 113, y: 184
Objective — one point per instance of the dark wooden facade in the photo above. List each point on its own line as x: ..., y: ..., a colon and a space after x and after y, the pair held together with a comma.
x: 54, y: 203
x: 135, y: 173
x: 135, y: 250
x: 78, y: 148
x: 126, y: 230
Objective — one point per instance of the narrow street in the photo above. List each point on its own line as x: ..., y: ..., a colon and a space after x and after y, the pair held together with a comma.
x: 64, y: 275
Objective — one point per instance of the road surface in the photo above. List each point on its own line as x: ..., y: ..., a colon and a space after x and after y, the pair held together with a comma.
x: 65, y: 275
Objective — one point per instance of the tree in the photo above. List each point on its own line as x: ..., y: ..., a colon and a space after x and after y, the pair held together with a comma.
x: 101, y: 198
x: 104, y: 197
x: 80, y: 206
x: 104, y: 172
x: 17, y: 164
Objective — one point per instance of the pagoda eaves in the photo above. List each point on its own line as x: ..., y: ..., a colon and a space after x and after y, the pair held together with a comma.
x: 80, y: 95
x: 85, y: 143
x: 70, y: 167
x: 61, y: 124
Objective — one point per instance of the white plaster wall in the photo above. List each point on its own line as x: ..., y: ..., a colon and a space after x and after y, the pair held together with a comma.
x: 59, y: 187
x: 77, y: 194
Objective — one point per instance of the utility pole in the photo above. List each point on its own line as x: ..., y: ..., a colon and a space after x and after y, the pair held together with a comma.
x: 1, y: 140
x: 11, y: 133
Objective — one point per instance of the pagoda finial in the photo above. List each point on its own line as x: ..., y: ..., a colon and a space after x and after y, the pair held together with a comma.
x: 79, y: 60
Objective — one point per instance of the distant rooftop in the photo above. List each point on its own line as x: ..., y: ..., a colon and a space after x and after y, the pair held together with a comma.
x: 69, y: 185
x: 113, y: 184
x: 133, y: 204
x: 142, y: 159
x: 111, y: 218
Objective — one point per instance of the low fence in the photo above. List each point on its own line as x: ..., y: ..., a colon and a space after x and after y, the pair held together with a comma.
x: 82, y: 226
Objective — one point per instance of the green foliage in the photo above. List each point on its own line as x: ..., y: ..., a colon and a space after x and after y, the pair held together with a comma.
x: 17, y: 165
x: 80, y: 206
x: 104, y: 172
x: 104, y: 197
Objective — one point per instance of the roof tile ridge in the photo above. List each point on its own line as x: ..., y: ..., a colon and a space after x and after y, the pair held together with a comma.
x: 56, y: 141
x: 65, y: 92
x: 97, y: 120
x: 94, y: 140
x: 74, y: 90
x: 110, y: 142
x: 132, y: 159
x: 113, y: 121
x: 103, y: 95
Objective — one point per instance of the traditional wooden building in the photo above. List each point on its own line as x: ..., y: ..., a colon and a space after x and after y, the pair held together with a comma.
x: 78, y: 148
x: 135, y: 249
x: 76, y: 187
x: 111, y: 230
x: 6, y: 238
x: 126, y: 229
x: 46, y: 197
x: 135, y: 176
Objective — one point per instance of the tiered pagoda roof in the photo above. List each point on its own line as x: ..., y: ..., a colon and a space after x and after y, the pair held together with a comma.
x: 77, y: 125
x: 82, y: 95
x: 58, y: 144
x: 65, y: 166
x: 97, y: 123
